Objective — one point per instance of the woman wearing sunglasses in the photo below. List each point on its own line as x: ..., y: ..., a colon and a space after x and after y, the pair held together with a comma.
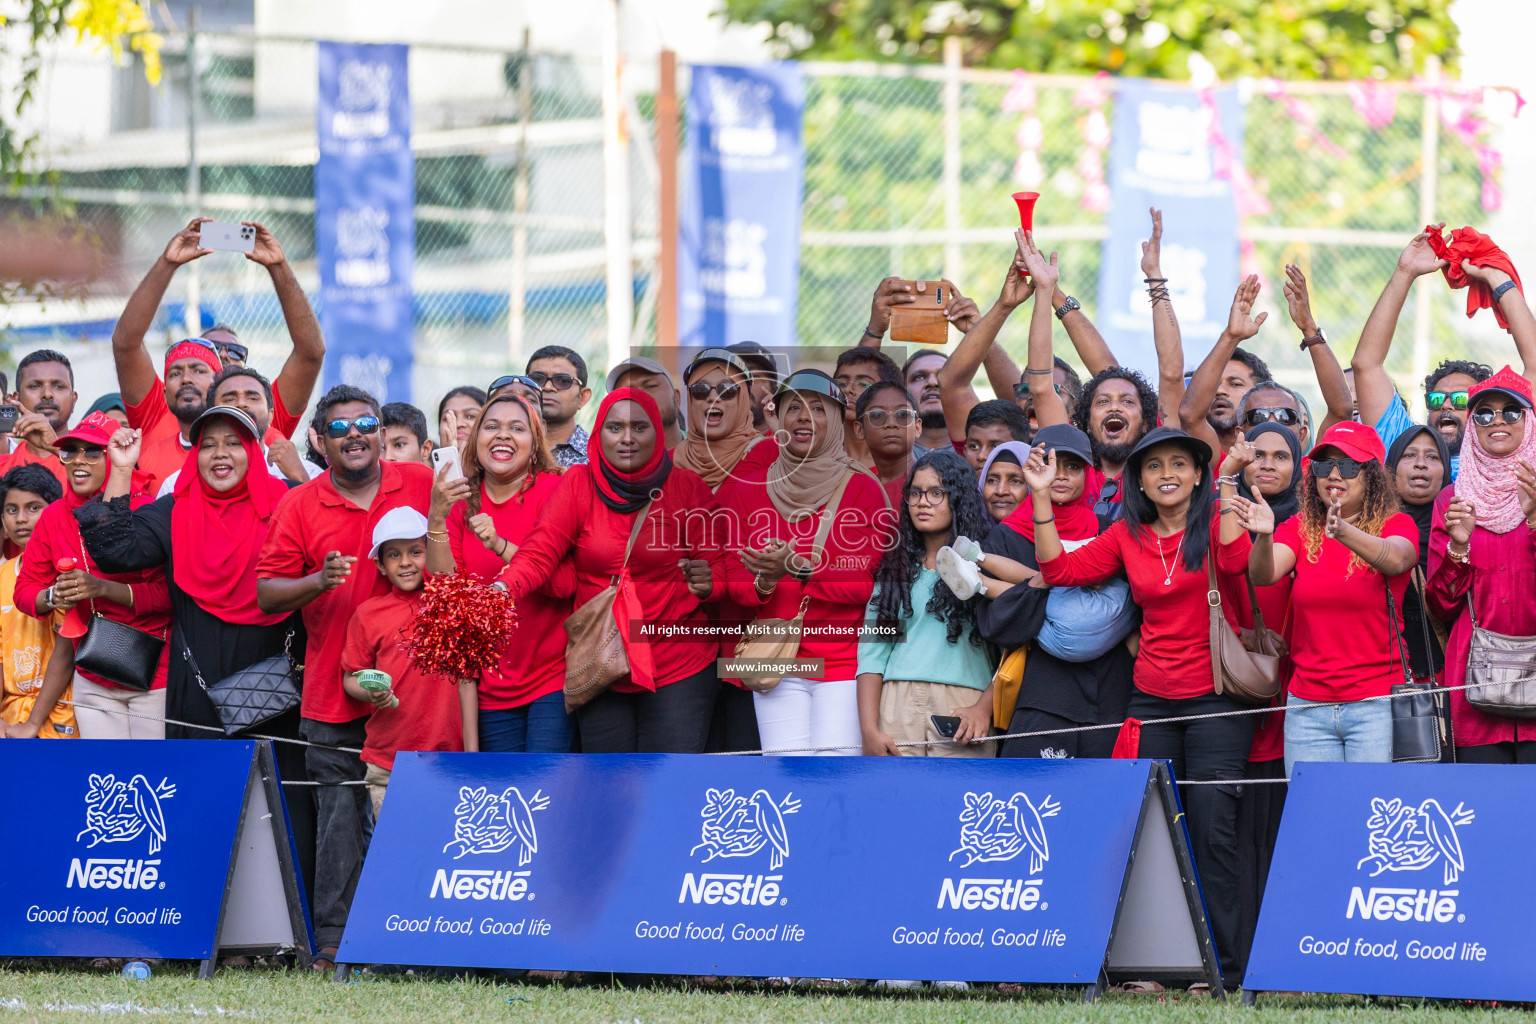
x: 1348, y: 544
x: 1420, y: 463
x: 1482, y: 559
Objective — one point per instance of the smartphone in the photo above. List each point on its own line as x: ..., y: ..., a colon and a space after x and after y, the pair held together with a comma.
x: 447, y: 457
x: 947, y: 725
x: 9, y: 414
x: 929, y: 294
x: 922, y: 320
x: 215, y: 234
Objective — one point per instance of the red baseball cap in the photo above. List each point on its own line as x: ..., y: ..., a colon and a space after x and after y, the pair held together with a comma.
x: 1356, y: 440
x: 1507, y: 381
x: 96, y: 429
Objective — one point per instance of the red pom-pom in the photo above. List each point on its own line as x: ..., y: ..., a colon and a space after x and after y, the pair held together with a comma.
x: 463, y: 628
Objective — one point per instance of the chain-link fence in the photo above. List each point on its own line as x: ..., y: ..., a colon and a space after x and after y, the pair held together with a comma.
x: 510, y: 197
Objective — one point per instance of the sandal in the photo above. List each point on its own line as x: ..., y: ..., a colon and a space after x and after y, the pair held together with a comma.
x: 324, y: 961
x: 1140, y: 988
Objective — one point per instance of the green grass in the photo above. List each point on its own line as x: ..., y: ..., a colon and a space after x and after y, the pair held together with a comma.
x: 175, y: 993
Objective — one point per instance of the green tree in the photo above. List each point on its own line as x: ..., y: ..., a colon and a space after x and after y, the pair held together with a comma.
x: 1150, y: 38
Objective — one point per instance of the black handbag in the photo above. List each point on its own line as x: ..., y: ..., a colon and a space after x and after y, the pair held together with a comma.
x: 253, y: 695
x: 1417, y: 708
x: 117, y: 651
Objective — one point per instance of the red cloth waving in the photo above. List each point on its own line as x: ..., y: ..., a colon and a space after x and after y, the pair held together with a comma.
x: 1471, y: 244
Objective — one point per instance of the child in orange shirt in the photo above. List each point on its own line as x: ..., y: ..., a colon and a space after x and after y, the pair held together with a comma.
x: 35, y: 673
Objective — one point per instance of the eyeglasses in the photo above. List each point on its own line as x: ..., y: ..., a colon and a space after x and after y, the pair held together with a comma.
x: 854, y: 385
x: 230, y: 352
x: 1436, y: 399
x: 340, y: 428
x: 1348, y: 468
x: 561, y: 381
x: 89, y: 456
x: 1484, y: 417
x: 1021, y: 390
x: 903, y: 417
x: 1285, y: 417
x: 516, y: 378
x: 726, y: 389
x: 931, y: 496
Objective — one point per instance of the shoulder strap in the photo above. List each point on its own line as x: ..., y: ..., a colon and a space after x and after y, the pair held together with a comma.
x: 634, y: 531
x: 824, y: 528
x: 1397, y: 633
x: 1253, y: 599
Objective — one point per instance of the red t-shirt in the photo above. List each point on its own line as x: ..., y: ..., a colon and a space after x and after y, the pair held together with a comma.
x: 1343, y: 648
x: 1175, y: 658
x: 1274, y: 603
x: 154, y: 417
x: 534, y: 662
x: 23, y: 456
x: 838, y: 591
x: 56, y: 536
x: 577, y: 525
x: 311, y: 520
x: 428, y: 717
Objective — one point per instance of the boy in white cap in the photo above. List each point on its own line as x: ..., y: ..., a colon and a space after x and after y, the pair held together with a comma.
x: 411, y: 709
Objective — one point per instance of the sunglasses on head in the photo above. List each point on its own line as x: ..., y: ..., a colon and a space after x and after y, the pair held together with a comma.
x: 1485, y: 416
x: 1348, y: 468
x: 1436, y: 399
x: 560, y: 381
x: 337, y: 429
x: 516, y: 378
x: 1285, y: 417
x: 726, y: 389
x: 1021, y: 389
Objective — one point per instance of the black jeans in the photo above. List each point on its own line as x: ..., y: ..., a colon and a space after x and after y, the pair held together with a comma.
x: 734, y: 724
x: 1092, y: 743
x: 1216, y: 748
x: 1507, y: 752
x: 341, y: 817
x: 673, y: 720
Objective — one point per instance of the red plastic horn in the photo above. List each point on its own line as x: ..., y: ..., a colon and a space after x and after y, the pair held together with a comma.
x: 1026, y: 201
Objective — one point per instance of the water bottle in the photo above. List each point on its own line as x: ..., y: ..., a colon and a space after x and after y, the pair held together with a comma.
x: 136, y: 970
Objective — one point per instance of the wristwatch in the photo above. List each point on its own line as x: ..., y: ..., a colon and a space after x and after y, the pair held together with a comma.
x: 1317, y: 339
x: 1067, y: 307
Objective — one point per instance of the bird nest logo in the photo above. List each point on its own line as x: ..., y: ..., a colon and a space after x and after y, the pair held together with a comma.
x: 486, y: 822
x: 1408, y: 838
x: 117, y: 812
x: 992, y: 830
x: 739, y: 826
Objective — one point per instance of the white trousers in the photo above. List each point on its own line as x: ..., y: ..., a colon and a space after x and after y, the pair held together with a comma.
x: 800, y: 713
x: 103, y: 712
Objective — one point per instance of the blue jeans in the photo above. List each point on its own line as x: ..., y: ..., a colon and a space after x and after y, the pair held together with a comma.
x: 1359, y: 731
x: 541, y: 727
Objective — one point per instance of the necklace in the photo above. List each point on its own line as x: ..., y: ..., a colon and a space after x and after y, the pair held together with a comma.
x: 1168, y: 571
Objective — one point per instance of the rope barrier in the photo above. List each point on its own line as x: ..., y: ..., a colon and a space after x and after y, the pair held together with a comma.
x: 219, y: 730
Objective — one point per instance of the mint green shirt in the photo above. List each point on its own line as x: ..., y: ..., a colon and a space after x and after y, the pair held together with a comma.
x: 925, y: 654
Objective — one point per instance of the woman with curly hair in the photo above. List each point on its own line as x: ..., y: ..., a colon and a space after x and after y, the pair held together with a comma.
x: 475, y: 527
x: 940, y: 664
x: 1347, y: 544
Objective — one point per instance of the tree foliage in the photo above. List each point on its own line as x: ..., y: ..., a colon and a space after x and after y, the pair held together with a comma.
x: 1151, y: 38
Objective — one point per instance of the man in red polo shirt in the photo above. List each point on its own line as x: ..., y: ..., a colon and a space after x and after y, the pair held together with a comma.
x: 319, y: 532
x: 165, y: 410
x: 45, y: 391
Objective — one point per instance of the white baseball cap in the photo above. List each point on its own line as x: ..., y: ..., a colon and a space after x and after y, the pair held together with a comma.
x: 403, y: 523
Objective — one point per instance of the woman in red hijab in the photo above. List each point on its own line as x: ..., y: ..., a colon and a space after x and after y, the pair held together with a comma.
x: 664, y: 704
x: 56, y: 576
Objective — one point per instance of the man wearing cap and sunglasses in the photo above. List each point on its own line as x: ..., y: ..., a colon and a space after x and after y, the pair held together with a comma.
x: 561, y: 375
x: 165, y: 411
x: 653, y: 378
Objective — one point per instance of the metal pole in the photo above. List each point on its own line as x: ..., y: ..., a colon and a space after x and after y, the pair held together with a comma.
x: 193, y: 312
x: 616, y: 214
x: 1429, y: 177
x: 666, y: 167
x: 953, y: 266
x: 517, y: 298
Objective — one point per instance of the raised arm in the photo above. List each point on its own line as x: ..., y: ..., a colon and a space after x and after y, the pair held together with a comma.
x: 135, y: 368
x: 1166, y: 338
x: 1373, y: 387
x: 889, y: 293
x: 1522, y: 326
x: 296, y: 380
x: 1330, y: 375
x: 979, y: 346
x: 1040, y: 367
x: 1267, y: 561
x: 1241, y: 325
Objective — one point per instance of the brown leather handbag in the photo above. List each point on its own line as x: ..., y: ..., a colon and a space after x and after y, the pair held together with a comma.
x: 1244, y: 667
x: 594, y: 650
x: 779, y: 639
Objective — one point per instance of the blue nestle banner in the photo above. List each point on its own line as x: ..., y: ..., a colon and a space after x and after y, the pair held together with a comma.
x: 871, y: 867
x: 1394, y: 880
x: 118, y: 848
x: 365, y: 229
x: 738, y: 257
x: 1162, y: 154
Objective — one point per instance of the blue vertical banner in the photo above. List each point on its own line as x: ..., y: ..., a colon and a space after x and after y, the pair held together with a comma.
x: 365, y: 227
x: 1168, y: 150
x: 738, y: 259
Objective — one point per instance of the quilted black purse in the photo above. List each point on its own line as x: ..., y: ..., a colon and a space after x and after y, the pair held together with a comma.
x: 253, y: 695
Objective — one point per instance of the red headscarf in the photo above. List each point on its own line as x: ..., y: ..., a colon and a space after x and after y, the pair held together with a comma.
x: 620, y: 491
x: 1074, y: 520
x: 216, y: 537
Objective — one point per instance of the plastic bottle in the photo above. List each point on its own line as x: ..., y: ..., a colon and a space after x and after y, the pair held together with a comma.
x: 136, y: 970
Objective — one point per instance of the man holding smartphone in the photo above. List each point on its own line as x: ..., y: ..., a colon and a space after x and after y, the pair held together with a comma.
x: 165, y: 410
x: 39, y: 411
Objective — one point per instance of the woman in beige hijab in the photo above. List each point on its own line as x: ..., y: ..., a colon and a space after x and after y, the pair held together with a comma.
x: 721, y: 437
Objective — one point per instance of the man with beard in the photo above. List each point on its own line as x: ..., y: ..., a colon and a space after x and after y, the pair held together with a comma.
x: 561, y: 375
x: 318, y: 534
x: 651, y: 377
x: 165, y: 411
x: 1446, y: 388
x: 920, y: 374
x: 45, y: 391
